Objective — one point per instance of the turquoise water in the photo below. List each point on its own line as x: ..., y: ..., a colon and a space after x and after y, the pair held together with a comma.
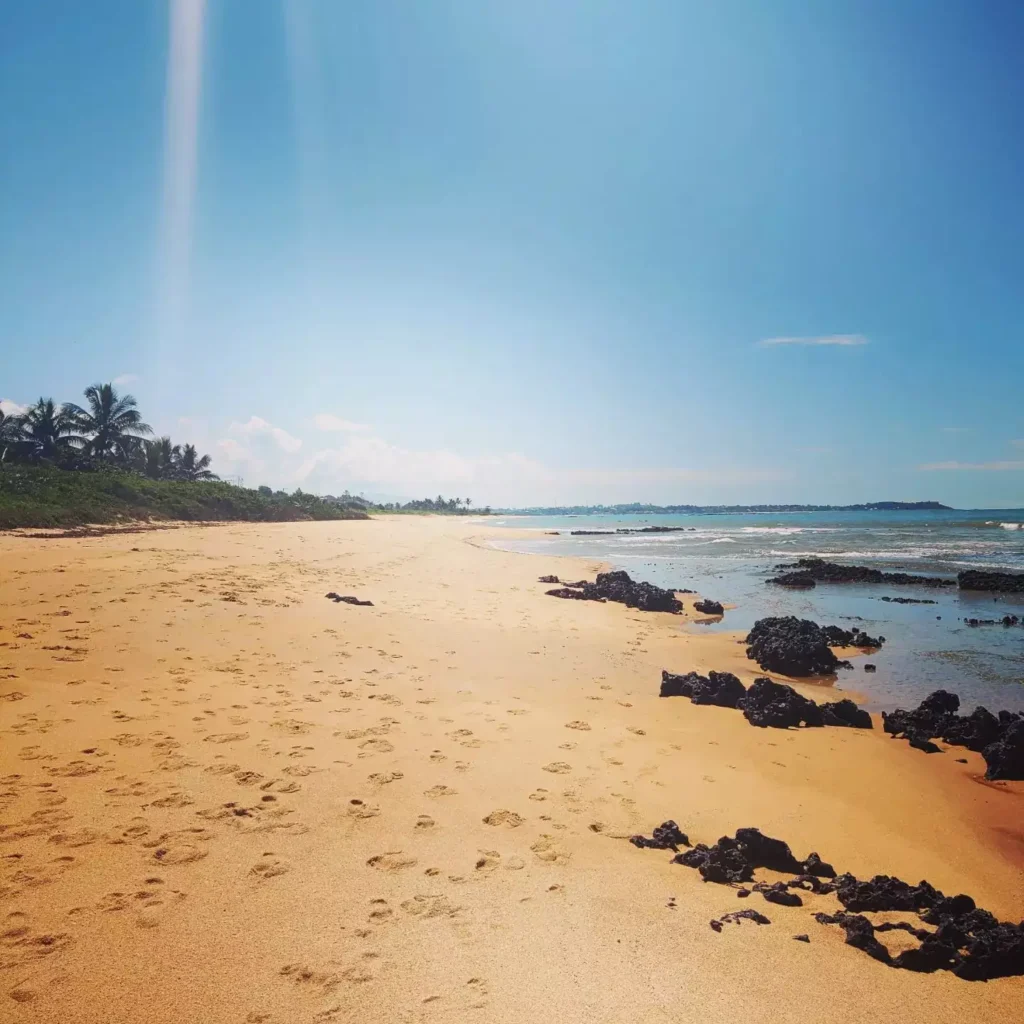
x: 728, y: 558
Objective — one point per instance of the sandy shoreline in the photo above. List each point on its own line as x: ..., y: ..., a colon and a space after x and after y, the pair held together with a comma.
x: 224, y: 798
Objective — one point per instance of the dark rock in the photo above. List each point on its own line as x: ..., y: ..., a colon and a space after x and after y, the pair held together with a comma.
x: 836, y: 636
x: 708, y: 607
x: 742, y: 893
x: 860, y: 933
x: 667, y: 836
x: 981, y: 579
x: 832, y: 572
x: 338, y: 598
x: 974, y: 731
x: 765, y: 852
x: 768, y: 703
x: 549, y: 579
x: 868, y: 667
x: 778, y: 892
x: 794, y: 580
x: 1005, y: 756
x: 792, y: 646
x: 721, y: 689
x: 909, y: 600
x: 617, y: 586
x: 802, y: 938
x: 845, y: 713
x: 587, y: 593
x: 735, y: 916
x: 885, y: 893
x: 818, y: 868
x: 919, y: 741
x: 673, y: 685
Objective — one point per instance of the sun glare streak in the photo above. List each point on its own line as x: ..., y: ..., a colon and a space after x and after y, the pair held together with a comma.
x: 181, y: 140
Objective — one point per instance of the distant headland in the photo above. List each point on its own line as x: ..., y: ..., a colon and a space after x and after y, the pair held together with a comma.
x: 636, y: 508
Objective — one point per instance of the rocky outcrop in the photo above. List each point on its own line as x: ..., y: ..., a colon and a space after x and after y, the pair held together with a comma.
x: 666, y: 836
x: 792, y: 646
x: 832, y: 572
x: 617, y: 586
x: 996, y: 582
x: 708, y: 607
x: 836, y: 636
x: 999, y: 739
x: 721, y: 689
x: 962, y: 938
x: 795, y: 580
x: 548, y: 579
x: 845, y: 713
x: 908, y: 600
x: 779, y: 706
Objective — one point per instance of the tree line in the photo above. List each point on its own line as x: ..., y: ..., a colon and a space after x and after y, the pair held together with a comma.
x: 108, y: 432
x: 441, y: 504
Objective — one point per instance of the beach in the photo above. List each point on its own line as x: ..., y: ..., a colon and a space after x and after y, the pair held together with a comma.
x: 226, y: 798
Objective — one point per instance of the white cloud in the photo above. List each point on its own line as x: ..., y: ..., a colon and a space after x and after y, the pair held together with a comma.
x: 258, y: 427
x: 11, y: 408
x: 328, y: 421
x: 841, y: 340
x: 995, y: 467
x: 125, y: 379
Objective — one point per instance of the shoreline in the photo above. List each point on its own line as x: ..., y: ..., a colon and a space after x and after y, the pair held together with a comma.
x: 450, y: 770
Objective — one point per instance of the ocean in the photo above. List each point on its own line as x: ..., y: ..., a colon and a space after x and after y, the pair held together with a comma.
x: 729, y: 557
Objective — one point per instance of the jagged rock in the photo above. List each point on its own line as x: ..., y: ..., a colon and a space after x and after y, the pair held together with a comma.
x: 768, y: 703
x: 735, y: 916
x: 617, y: 586
x: 778, y: 892
x: 338, y: 598
x: 860, y: 933
x: 721, y: 689
x: 836, y: 636
x: 667, y: 836
x: 792, y: 646
x: 868, y: 667
x: 833, y: 572
x: 1005, y: 756
x: 845, y: 713
x: 999, y: 582
x: 884, y: 892
x: 708, y: 607
x: 818, y: 868
x: 802, y: 938
x: 909, y: 600
x: 919, y: 741
x: 548, y: 579
x: 974, y: 731
x: 794, y: 580
x: 673, y: 685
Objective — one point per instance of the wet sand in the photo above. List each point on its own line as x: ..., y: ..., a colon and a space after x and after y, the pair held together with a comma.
x: 225, y: 798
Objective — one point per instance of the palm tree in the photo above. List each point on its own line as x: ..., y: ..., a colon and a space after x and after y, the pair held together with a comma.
x: 47, y: 431
x: 10, y: 433
x: 161, y: 458
x: 191, y: 466
x: 113, y: 421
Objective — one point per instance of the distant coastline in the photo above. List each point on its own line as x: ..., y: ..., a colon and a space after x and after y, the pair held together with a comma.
x: 636, y: 508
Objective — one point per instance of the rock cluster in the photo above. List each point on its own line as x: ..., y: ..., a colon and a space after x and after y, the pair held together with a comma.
x: 999, y: 738
x: 765, y: 704
x: 964, y: 939
x: 617, y: 586
x: 1001, y: 582
x: 908, y: 600
x: 666, y: 836
x: 832, y: 572
x: 795, y: 580
x: 836, y: 636
x: 792, y: 646
x: 708, y: 607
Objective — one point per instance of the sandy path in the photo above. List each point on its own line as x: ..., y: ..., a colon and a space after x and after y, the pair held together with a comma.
x: 224, y: 798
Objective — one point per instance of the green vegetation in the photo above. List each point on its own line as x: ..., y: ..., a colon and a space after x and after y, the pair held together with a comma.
x: 47, y: 496
x: 438, y: 506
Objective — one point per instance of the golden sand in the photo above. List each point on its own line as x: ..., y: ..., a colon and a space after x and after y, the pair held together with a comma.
x: 224, y: 798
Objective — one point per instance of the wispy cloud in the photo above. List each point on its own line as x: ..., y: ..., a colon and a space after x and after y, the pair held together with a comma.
x: 125, y: 379
x: 11, y: 408
x: 1005, y: 466
x: 840, y: 340
x: 328, y: 421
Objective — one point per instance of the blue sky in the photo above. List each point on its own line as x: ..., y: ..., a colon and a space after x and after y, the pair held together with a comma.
x: 529, y: 252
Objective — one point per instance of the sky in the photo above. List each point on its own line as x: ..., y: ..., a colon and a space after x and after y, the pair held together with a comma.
x: 531, y: 252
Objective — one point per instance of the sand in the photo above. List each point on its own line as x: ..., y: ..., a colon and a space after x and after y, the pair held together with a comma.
x: 225, y: 798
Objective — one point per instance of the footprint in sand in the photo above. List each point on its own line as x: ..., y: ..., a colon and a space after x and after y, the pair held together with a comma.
x: 539, y: 794
x: 509, y: 819
x: 439, y: 790
x: 425, y: 821
x: 227, y: 737
x: 438, y: 756
x: 360, y: 809
x: 383, y: 778
x: 577, y: 724
x: 269, y: 866
x: 558, y: 768
x: 369, y: 747
x: 393, y: 860
x: 179, y: 853
x: 488, y: 860
x: 547, y: 849
x: 425, y: 906
x: 638, y: 732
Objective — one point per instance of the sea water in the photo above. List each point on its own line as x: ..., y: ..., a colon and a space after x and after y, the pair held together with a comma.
x: 729, y: 558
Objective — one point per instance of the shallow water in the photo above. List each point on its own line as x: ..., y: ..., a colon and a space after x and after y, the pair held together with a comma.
x: 729, y: 557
